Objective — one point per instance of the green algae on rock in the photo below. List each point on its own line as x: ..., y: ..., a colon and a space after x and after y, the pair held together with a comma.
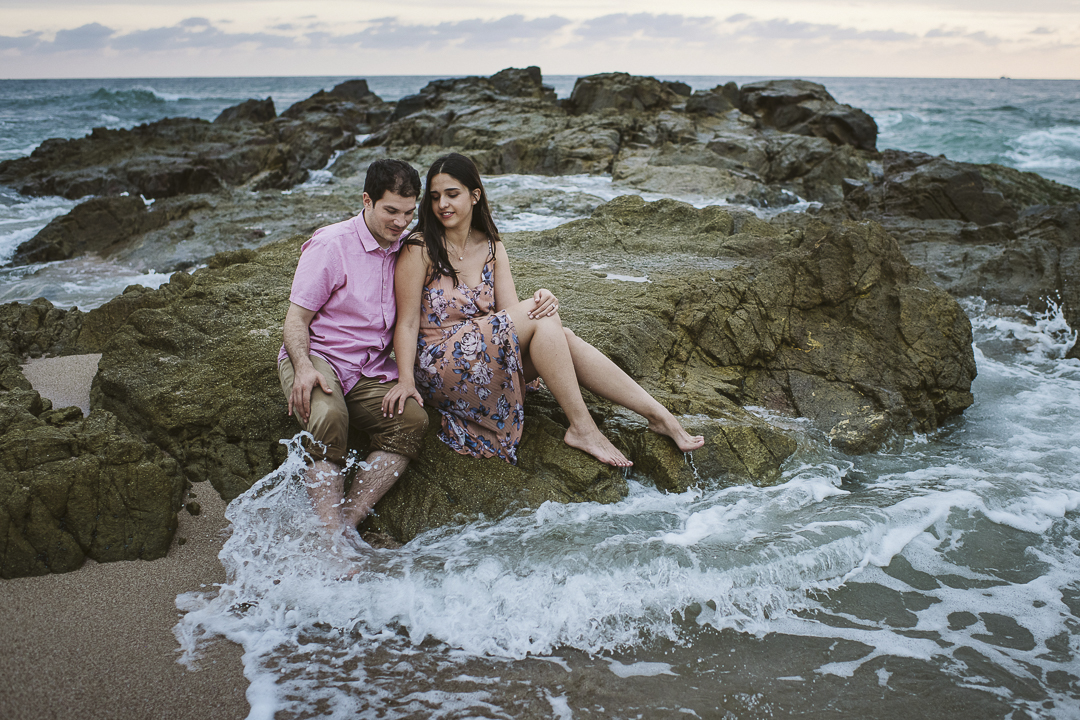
x: 72, y: 488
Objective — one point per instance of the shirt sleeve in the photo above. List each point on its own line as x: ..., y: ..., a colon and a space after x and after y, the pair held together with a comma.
x: 318, y: 275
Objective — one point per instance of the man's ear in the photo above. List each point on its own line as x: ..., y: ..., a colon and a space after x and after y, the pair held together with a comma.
x: 368, y: 205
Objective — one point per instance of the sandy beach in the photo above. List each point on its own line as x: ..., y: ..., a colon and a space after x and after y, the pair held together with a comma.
x: 98, y: 642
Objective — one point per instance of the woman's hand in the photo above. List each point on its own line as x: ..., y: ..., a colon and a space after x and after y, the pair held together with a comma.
x: 397, y: 396
x: 546, y: 304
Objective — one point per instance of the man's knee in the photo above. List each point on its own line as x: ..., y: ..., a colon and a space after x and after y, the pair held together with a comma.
x: 404, y: 433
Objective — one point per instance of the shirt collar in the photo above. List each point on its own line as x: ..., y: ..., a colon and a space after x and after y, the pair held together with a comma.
x: 368, y: 240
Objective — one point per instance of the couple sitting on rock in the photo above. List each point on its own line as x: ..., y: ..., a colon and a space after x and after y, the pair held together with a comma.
x: 463, y: 341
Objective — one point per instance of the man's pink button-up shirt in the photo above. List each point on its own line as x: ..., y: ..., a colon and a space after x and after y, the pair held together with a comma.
x: 348, y: 280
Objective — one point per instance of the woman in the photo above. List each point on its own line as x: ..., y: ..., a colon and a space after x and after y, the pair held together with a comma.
x: 473, y: 345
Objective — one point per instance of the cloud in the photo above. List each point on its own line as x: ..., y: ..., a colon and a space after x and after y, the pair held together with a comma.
x: 782, y: 29
x: 195, y: 35
x: 389, y: 33
x: 633, y: 32
x: 962, y: 33
x: 621, y: 26
x: 88, y: 37
x: 22, y: 42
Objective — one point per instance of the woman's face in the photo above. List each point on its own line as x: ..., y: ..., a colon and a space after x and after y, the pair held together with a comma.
x: 451, y: 201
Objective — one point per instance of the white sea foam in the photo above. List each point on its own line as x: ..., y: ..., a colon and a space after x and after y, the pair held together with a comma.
x: 21, y: 218
x: 1054, y: 150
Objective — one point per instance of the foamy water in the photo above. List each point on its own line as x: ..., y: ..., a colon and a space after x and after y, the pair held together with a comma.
x: 957, y: 552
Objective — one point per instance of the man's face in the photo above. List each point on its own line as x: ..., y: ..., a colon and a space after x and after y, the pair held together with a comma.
x: 388, y: 216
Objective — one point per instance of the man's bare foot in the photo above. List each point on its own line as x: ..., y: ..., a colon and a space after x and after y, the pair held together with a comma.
x: 670, y: 427
x: 594, y: 443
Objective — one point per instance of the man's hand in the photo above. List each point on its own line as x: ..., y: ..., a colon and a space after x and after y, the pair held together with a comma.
x: 396, y: 397
x: 304, y: 381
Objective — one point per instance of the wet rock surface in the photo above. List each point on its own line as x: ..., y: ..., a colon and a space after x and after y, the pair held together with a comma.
x: 979, y: 230
x: 73, y: 488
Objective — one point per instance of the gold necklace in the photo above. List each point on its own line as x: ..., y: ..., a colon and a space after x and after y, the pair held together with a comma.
x: 461, y: 255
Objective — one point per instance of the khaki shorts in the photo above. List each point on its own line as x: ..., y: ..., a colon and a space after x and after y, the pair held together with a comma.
x: 331, y: 416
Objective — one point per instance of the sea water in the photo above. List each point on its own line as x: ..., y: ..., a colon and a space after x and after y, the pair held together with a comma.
x: 945, y: 566
x: 937, y: 578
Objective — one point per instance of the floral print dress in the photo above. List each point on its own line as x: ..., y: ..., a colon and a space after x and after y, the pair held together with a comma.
x: 468, y: 365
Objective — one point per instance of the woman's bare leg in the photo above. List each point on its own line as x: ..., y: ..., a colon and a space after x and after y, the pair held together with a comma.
x: 598, y: 374
x: 543, y: 342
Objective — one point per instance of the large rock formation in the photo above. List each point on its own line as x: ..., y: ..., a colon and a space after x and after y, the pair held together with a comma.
x: 642, y: 131
x: 72, y: 488
x: 174, y: 156
x: 806, y: 108
x: 828, y: 323
x: 724, y: 143
x: 95, y: 226
x: 979, y: 230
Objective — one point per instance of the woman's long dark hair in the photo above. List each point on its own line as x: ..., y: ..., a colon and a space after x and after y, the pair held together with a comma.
x: 430, y: 231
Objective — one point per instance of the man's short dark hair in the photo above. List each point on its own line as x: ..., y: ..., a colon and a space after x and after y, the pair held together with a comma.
x: 394, y: 176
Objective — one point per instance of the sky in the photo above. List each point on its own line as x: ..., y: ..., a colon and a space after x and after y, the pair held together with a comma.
x: 846, y: 38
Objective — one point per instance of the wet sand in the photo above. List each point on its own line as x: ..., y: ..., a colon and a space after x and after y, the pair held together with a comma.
x: 98, y: 642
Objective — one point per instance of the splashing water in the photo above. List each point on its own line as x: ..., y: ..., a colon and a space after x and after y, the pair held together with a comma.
x: 950, y: 562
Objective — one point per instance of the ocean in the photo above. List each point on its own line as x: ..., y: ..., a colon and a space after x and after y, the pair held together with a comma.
x: 939, y: 577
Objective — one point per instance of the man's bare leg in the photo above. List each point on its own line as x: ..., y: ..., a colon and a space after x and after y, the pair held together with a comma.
x: 376, y: 475
x: 324, y: 485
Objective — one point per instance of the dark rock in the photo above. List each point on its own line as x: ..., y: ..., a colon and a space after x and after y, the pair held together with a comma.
x: 925, y: 187
x: 679, y: 88
x: 828, y: 323
x: 38, y: 328
x: 355, y: 90
x: 620, y: 91
x: 523, y: 83
x: 979, y: 230
x: 806, y: 108
x: 72, y: 488
x: 258, y: 111
x: 162, y: 159
x: 94, y: 226
x: 719, y: 100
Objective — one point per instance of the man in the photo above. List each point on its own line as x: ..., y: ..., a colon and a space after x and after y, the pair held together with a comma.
x: 335, y: 364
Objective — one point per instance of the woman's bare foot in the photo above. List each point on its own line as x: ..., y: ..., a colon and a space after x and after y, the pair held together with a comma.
x: 670, y: 427
x: 596, y: 444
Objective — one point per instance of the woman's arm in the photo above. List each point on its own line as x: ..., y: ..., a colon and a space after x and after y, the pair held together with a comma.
x: 506, y: 294
x: 409, y: 277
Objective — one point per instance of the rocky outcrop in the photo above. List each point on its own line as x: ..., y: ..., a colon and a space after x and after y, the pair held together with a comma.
x: 827, y: 323
x: 36, y: 329
x: 787, y: 133
x: 806, y: 108
x: 256, y: 111
x: 176, y: 156
x: 620, y: 92
x: 979, y: 230
x: 94, y: 226
x: 72, y: 488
